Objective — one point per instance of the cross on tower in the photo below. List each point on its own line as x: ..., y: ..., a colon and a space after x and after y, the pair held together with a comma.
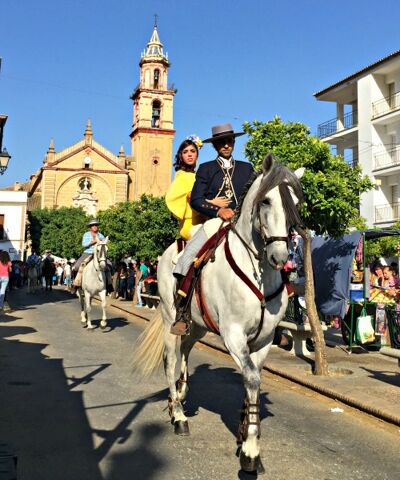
x: 155, y: 20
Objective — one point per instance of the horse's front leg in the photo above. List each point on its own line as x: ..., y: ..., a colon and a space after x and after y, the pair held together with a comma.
x: 88, y: 309
x: 249, y: 428
x: 103, y: 323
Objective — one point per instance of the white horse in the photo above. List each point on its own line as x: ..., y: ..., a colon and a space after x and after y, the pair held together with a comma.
x: 94, y: 282
x: 33, y: 277
x: 245, y: 309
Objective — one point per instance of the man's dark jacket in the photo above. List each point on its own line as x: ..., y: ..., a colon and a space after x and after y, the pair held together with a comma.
x: 209, y: 179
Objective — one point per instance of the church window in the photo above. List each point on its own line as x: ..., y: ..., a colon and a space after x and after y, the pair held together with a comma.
x: 85, y: 184
x: 156, y: 114
x: 156, y: 160
x: 156, y: 78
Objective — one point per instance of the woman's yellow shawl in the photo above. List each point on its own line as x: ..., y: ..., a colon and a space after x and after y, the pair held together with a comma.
x: 177, y: 199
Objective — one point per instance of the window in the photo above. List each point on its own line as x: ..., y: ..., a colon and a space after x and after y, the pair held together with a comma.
x: 156, y: 113
x: 2, y: 227
x: 156, y: 78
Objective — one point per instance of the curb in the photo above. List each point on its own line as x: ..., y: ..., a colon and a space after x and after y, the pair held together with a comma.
x: 327, y: 392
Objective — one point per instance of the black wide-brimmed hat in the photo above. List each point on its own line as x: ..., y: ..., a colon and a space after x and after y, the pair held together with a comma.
x: 92, y: 222
x: 222, y: 131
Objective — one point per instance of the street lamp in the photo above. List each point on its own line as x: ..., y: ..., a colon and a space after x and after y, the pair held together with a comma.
x: 4, y: 159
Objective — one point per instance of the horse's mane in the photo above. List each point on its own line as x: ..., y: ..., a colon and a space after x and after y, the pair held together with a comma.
x: 278, y: 176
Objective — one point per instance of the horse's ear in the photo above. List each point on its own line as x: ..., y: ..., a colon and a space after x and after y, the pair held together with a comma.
x: 106, y: 240
x: 267, y: 163
x: 299, y: 172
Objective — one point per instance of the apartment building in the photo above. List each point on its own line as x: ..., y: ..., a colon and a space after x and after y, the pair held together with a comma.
x: 366, y: 131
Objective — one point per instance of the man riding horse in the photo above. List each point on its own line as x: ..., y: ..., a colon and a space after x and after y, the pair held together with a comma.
x: 89, y: 240
x: 222, y: 177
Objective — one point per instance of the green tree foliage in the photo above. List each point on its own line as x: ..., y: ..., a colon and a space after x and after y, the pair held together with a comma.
x: 382, y: 247
x: 143, y: 228
x: 59, y: 230
x: 331, y: 186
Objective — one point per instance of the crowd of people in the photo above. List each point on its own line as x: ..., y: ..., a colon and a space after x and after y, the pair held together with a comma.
x: 133, y: 278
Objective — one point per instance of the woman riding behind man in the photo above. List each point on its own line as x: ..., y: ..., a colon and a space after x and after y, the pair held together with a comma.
x: 178, y: 195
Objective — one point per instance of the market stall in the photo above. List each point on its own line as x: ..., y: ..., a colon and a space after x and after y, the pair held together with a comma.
x: 344, y: 287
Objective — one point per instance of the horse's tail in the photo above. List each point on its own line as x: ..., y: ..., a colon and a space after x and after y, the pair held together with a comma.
x: 149, y: 347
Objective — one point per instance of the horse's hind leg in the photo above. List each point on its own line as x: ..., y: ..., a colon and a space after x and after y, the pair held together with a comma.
x: 82, y: 302
x: 187, y: 343
x: 175, y: 408
x: 103, y: 322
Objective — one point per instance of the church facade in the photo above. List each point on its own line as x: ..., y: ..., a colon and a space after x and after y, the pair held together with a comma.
x: 88, y: 175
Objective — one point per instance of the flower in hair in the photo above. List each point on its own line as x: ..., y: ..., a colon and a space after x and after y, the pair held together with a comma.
x: 196, y: 140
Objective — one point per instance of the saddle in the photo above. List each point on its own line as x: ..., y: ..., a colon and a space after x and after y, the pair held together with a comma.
x: 205, y: 254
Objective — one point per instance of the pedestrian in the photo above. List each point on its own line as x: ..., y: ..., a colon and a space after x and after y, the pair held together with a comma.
x: 123, y: 281
x: 131, y: 281
x: 60, y: 272
x: 68, y: 275
x: 5, y: 269
x: 143, y: 273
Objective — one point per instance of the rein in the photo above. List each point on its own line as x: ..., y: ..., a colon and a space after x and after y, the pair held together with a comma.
x: 208, y: 320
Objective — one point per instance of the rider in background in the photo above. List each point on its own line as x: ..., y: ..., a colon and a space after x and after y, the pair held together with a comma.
x: 89, y: 240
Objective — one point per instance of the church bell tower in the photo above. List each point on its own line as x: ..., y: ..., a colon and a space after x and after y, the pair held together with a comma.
x: 153, y: 131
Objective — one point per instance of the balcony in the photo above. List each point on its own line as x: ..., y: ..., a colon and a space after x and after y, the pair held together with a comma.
x: 387, y: 213
x: 386, y: 105
x: 336, y: 125
x: 387, y: 159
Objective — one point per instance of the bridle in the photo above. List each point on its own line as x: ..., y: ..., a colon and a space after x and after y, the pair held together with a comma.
x: 263, y: 232
x: 101, y: 257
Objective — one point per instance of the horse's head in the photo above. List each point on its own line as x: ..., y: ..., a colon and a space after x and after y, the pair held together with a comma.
x: 274, y: 209
x: 100, y: 253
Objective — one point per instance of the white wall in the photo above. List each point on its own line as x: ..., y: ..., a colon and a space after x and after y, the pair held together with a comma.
x: 366, y: 87
x: 13, y: 207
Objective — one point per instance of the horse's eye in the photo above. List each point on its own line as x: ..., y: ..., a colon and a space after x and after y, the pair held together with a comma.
x: 266, y: 202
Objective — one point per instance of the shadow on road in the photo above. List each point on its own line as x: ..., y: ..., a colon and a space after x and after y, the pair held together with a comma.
x: 40, y: 418
x: 221, y: 391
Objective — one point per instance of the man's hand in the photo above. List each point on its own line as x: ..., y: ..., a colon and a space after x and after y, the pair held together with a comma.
x: 225, y: 213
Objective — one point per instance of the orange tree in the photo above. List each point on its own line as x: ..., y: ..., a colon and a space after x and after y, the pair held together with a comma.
x: 331, y: 188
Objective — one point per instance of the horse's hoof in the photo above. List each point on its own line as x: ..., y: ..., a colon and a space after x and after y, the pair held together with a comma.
x: 103, y: 327
x: 181, y: 428
x: 249, y: 464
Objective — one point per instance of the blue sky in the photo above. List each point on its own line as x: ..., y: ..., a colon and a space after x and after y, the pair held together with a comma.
x: 232, y: 60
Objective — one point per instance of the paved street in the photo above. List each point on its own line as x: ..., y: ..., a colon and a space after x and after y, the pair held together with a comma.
x: 71, y: 409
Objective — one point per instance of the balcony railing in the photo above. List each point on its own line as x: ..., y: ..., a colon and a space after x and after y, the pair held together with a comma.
x: 336, y: 125
x: 386, y: 105
x: 387, y: 213
x: 390, y: 158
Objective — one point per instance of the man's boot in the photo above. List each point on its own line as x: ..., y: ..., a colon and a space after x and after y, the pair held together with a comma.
x: 78, y: 278
x: 181, y: 325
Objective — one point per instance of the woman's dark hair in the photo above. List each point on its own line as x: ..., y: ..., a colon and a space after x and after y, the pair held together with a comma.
x: 179, y: 164
x: 4, y: 257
